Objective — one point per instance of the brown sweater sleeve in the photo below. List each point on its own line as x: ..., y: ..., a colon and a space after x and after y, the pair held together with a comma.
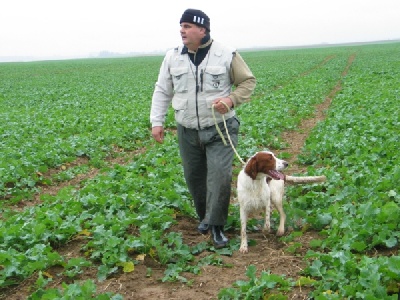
x: 242, y: 79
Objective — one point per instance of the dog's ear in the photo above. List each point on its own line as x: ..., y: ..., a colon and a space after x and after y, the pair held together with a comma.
x: 251, y: 168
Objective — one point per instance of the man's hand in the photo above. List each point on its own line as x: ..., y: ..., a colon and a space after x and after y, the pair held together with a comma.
x: 158, y: 133
x: 221, y: 107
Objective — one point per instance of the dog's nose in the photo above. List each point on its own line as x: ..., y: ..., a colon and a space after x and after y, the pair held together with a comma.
x: 285, y: 163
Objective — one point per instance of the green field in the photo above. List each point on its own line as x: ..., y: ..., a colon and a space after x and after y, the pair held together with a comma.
x: 54, y: 112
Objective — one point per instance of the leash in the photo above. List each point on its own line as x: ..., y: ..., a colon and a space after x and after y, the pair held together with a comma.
x: 226, y: 129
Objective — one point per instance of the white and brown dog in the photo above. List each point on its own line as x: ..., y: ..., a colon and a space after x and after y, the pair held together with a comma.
x: 259, y: 183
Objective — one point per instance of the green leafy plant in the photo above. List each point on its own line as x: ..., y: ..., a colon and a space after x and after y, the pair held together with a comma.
x: 267, y: 285
x: 54, y: 112
x: 86, y: 290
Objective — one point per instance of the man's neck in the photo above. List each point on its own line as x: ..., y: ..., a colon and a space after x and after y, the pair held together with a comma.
x: 193, y: 48
x: 205, y: 41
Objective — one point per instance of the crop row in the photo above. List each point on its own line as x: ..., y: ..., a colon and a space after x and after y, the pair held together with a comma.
x: 53, y: 112
x: 357, y: 212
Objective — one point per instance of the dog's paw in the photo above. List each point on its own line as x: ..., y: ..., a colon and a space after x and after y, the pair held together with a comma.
x: 243, y: 249
x: 280, y: 231
x: 266, y: 229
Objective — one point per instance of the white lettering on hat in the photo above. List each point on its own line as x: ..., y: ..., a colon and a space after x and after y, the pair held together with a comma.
x: 197, y: 19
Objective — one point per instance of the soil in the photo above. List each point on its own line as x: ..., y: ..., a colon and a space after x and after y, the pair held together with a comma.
x: 269, y: 253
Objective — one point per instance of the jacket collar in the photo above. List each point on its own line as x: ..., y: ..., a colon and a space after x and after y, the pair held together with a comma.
x: 205, y: 42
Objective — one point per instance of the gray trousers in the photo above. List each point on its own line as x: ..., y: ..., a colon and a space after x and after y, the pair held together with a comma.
x: 207, y: 166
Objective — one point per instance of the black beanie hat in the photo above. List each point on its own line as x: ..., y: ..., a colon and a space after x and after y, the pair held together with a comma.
x: 197, y: 17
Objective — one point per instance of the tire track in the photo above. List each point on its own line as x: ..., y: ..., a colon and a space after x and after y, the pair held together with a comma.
x: 296, y: 139
x: 305, y: 73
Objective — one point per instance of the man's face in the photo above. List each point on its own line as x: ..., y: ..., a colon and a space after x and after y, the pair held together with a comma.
x: 191, y: 35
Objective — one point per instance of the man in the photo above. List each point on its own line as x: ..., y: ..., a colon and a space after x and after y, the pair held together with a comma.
x: 197, y: 78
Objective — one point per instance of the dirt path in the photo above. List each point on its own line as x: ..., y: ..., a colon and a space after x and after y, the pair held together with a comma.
x: 268, y: 255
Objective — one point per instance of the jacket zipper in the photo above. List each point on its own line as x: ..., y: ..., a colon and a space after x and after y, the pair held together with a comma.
x: 197, y: 103
x: 197, y: 91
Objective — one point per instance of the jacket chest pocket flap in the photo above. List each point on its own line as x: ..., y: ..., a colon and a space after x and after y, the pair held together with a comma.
x: 215, y: 78
x: 180, y: 79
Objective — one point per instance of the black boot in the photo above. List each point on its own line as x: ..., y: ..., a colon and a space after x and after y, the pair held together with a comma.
x: 203, y: 228
x: 218, y: 237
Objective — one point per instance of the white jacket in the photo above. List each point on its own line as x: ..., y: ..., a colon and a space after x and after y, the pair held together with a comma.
x: 192, y: 89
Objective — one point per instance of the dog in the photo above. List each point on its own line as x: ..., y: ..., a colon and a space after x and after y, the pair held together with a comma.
x: 261, y: 183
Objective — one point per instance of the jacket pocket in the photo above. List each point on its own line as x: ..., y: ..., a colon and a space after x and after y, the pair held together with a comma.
x: 179, y: 103
x: 215, y: 78
x: 180, y: 79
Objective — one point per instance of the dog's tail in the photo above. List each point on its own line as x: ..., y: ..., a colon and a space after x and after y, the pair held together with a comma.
x: 305, y: 179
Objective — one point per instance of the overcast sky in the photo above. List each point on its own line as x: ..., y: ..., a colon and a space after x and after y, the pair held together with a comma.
x: 79, y: 28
